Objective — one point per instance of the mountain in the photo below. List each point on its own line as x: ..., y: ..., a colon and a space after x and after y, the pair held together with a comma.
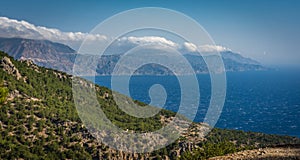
x: 238, y: 58
x: 236, y: 62
x: 39, y: 120
x: 41, y: 52
x: 62, y: 57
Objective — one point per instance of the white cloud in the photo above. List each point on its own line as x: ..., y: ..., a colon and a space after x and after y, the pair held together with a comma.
x: 190, y: 47
x: 23, y: 29
x: 148, y: 40
x: 212, y: 48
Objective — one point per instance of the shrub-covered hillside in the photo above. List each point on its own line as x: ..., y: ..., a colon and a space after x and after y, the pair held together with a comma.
x: 38, y: 120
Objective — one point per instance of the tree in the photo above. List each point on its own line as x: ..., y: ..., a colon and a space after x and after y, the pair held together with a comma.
x: 3, y: 93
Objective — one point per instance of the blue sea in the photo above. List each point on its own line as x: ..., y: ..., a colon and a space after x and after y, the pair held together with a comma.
x: 260, y: 101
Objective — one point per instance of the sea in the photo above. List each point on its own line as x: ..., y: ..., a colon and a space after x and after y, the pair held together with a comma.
x: 259, y: 101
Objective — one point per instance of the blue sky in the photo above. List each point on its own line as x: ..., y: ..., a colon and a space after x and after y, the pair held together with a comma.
x: 266, y: 30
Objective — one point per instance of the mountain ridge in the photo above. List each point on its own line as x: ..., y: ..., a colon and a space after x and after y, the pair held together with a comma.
x: 61, y: 57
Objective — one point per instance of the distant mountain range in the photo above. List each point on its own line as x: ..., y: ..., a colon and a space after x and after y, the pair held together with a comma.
x: 61, y: 57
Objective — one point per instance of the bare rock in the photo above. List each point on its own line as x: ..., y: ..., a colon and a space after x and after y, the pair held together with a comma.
x: 9, y: 67
x: 30, y: 64
x: 286, y: 152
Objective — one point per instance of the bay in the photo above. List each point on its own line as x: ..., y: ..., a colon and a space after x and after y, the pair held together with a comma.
x: 259, y: 101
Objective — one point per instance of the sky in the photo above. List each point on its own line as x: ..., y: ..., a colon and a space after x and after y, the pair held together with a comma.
x: 265, y: 30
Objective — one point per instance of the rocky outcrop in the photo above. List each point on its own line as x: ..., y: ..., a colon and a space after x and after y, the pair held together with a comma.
x: 31, y: 64
x: 283, y: 152
x: 9, y: 67
x: 19, y: 95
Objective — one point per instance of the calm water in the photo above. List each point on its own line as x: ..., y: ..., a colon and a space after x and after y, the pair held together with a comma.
x: 266, y: 102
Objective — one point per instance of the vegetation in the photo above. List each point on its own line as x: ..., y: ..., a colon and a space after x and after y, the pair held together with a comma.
x: 40, y: 121
x: 221, y: 142
x: 3, y: 93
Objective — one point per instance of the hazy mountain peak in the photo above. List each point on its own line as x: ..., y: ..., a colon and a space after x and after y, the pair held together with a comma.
x: 238, y: 58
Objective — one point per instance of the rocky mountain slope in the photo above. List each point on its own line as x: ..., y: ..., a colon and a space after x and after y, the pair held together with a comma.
x: 273, y: 153
x: 38, y: 120
x: 41, y: 52
x: 61, y: 57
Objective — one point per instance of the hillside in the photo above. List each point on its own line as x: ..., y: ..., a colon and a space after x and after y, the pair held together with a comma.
x: 38, y: 120
x: 274, y: 153
x: 61, y: 57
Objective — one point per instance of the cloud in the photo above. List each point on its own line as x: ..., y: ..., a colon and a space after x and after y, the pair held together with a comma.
x: 23, y: 29
x: 190, y: 47
x: 213, y: 48
x: 155, y: 40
